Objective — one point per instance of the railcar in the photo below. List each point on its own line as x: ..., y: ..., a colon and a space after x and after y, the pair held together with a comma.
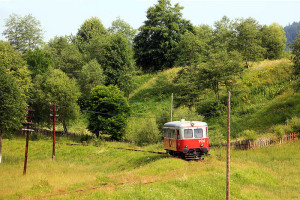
x: 186, y: 139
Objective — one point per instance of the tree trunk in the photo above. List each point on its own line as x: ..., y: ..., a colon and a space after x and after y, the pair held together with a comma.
x: 246, y: 60
x: 65, y: 128
x: 0, y: 146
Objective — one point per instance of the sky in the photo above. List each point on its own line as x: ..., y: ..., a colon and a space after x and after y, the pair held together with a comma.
x: 64, y: 17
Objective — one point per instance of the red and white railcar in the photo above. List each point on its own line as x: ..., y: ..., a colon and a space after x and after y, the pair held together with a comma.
x: 186, y: 139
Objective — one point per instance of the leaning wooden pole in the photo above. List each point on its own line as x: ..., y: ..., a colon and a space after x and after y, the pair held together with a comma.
x: 228, y: 151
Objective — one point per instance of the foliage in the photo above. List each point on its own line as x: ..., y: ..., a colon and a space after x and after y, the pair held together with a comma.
x: 143, y: 131
x: 187, y: 86
x: 12, y: 105
x: 111, y: 111
x: 90, y: 29
x: 291, y: 31
x: 224, y: 35
x: 14, y: 64
x: 221, y: 68
x: 249, y: 134
x: 90, y: 76
x: 294, y: 122
x: 296, y: 60
x: 56, y: 87
x: 249, y: 40
x: 190, y: 50
x: 115, y: 55
x: 273, y: 40
x: 38, y: 61
x: 23, y: 33
x: 156, y: 43
x: 65, y: 56
x: 123, y: 28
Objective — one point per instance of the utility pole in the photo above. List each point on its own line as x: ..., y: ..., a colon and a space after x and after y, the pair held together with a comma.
x: 28, y: 129
x: 171, y: 117
x: 228, y: 150
x: 53, y: 115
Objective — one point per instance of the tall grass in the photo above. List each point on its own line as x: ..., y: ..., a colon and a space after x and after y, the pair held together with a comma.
x: 269, y: 173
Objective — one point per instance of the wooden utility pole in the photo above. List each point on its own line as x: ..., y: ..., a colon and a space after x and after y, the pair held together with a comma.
x: 28, y: 129
x: 171, y: 114
x: 228, y: 151
x: 53, y: 121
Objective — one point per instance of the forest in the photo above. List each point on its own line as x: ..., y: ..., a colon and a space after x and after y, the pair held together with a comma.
x: 117, y: 81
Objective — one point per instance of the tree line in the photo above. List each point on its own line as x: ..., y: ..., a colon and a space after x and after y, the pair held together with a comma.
x: 94, y: 69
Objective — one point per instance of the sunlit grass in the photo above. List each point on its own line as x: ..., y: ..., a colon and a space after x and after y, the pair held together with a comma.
x: 88, y: 172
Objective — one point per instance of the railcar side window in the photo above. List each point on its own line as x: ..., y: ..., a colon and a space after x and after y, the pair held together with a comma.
x: 166, y: 132
x: 173, y: 134
x: 198, y: 133
x: 188, y: 133
x: 206, y: 132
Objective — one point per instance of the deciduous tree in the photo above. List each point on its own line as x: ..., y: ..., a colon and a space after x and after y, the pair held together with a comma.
x: 23, y: 33
x: 156, y: 43
x: 55, y: 86
x: 273, y: 40
x: 111, y: 111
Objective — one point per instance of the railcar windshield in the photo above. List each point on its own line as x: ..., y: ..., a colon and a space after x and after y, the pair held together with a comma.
x: 198, y: 133
x: 188, y: 133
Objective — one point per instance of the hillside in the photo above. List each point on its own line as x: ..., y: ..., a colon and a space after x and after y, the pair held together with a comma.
x: 262, y: 98
x: 89, y: 172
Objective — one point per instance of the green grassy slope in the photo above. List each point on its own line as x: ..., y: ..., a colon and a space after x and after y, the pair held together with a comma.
x: 88, y: 172
x: 261, y: 98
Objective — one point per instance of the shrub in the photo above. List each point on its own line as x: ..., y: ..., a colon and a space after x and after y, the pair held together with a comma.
x: 281, y: 130
x: 143, y: 131
x: 249, y: 134
x: 294, y: 123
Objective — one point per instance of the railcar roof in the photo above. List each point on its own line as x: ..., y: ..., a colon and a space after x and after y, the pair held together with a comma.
x: 184, y: 124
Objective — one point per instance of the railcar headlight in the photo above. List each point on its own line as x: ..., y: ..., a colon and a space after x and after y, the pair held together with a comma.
x: 202, y: 145
x: 186, y: 146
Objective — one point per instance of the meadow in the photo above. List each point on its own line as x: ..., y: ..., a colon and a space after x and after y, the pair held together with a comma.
x: 102, y: 172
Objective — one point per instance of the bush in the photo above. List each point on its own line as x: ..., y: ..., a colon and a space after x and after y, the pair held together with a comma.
x: 281, y: 130
x: 249, y: 134
x: 143, y: 131
x: 294, y: 123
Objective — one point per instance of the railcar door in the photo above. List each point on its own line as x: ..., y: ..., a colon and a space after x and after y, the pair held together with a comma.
x: 177, y: 139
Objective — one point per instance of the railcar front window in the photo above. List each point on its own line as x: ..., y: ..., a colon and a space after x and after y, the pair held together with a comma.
x: 188, y: 133
x: 198, y: 133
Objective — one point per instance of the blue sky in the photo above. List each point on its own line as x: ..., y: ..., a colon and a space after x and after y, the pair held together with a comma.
x: 63, y: 17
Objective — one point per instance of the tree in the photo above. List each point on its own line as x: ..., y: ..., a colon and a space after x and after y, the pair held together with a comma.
x: 111, y: 111
x: 291, y: 31
x: 224, y: 35
x: 65, y: 56
x: 296, y: 60
x: 187, y: 86
x: 249, y: 40
x: 273, y: 40
x: 190, y: 50
x: 56, y: 87
x: 90, y: 76
x: 221, y: 68
x: 12, y: 106
x: 115, y: 55
x: 15, y: 65
x: 90, y: 29
x: 23, y: 33
x: 15, y: 83
x: 156, y: 43
x: 38, y: 61
x: 123, y: 28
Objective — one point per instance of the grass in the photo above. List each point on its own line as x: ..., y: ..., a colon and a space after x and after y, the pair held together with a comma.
x: 88, y: 172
